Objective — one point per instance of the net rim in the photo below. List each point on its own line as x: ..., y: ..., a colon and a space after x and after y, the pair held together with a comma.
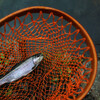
x: 75, y: 23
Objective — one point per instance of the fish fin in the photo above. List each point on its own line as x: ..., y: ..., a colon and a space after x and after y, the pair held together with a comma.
x: 35, y: 66
x: 27, y: 73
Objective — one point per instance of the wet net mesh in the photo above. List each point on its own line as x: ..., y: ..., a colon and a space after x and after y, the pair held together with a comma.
x: 62, y: 74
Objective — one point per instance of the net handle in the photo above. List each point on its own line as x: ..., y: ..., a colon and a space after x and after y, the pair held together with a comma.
x: 76, y: 24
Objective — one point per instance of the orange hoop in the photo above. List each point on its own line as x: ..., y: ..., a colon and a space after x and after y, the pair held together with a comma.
x: 56, y: 39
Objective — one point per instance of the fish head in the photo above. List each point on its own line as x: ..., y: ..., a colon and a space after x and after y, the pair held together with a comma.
x: 37, y: 58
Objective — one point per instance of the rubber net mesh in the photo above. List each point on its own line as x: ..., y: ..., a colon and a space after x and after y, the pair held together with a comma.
x: 65, y: 70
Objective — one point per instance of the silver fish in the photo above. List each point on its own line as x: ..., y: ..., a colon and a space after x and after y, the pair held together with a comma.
x: 22, y: 69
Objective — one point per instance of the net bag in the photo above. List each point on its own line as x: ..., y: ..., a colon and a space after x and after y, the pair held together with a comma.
x: 69, y: 67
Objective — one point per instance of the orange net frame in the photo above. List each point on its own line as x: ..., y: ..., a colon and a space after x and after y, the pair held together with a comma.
x: 68, y: 69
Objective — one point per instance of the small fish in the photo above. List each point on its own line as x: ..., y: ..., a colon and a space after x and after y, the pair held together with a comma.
x: 22, y: 69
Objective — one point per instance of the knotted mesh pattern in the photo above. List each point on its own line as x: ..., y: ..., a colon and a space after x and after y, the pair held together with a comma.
x: 63, y: 73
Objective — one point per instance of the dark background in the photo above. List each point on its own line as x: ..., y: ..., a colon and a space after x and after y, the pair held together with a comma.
x: 87, y: 12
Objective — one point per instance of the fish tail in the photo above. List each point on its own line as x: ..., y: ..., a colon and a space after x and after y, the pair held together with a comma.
x: 2, y: 81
